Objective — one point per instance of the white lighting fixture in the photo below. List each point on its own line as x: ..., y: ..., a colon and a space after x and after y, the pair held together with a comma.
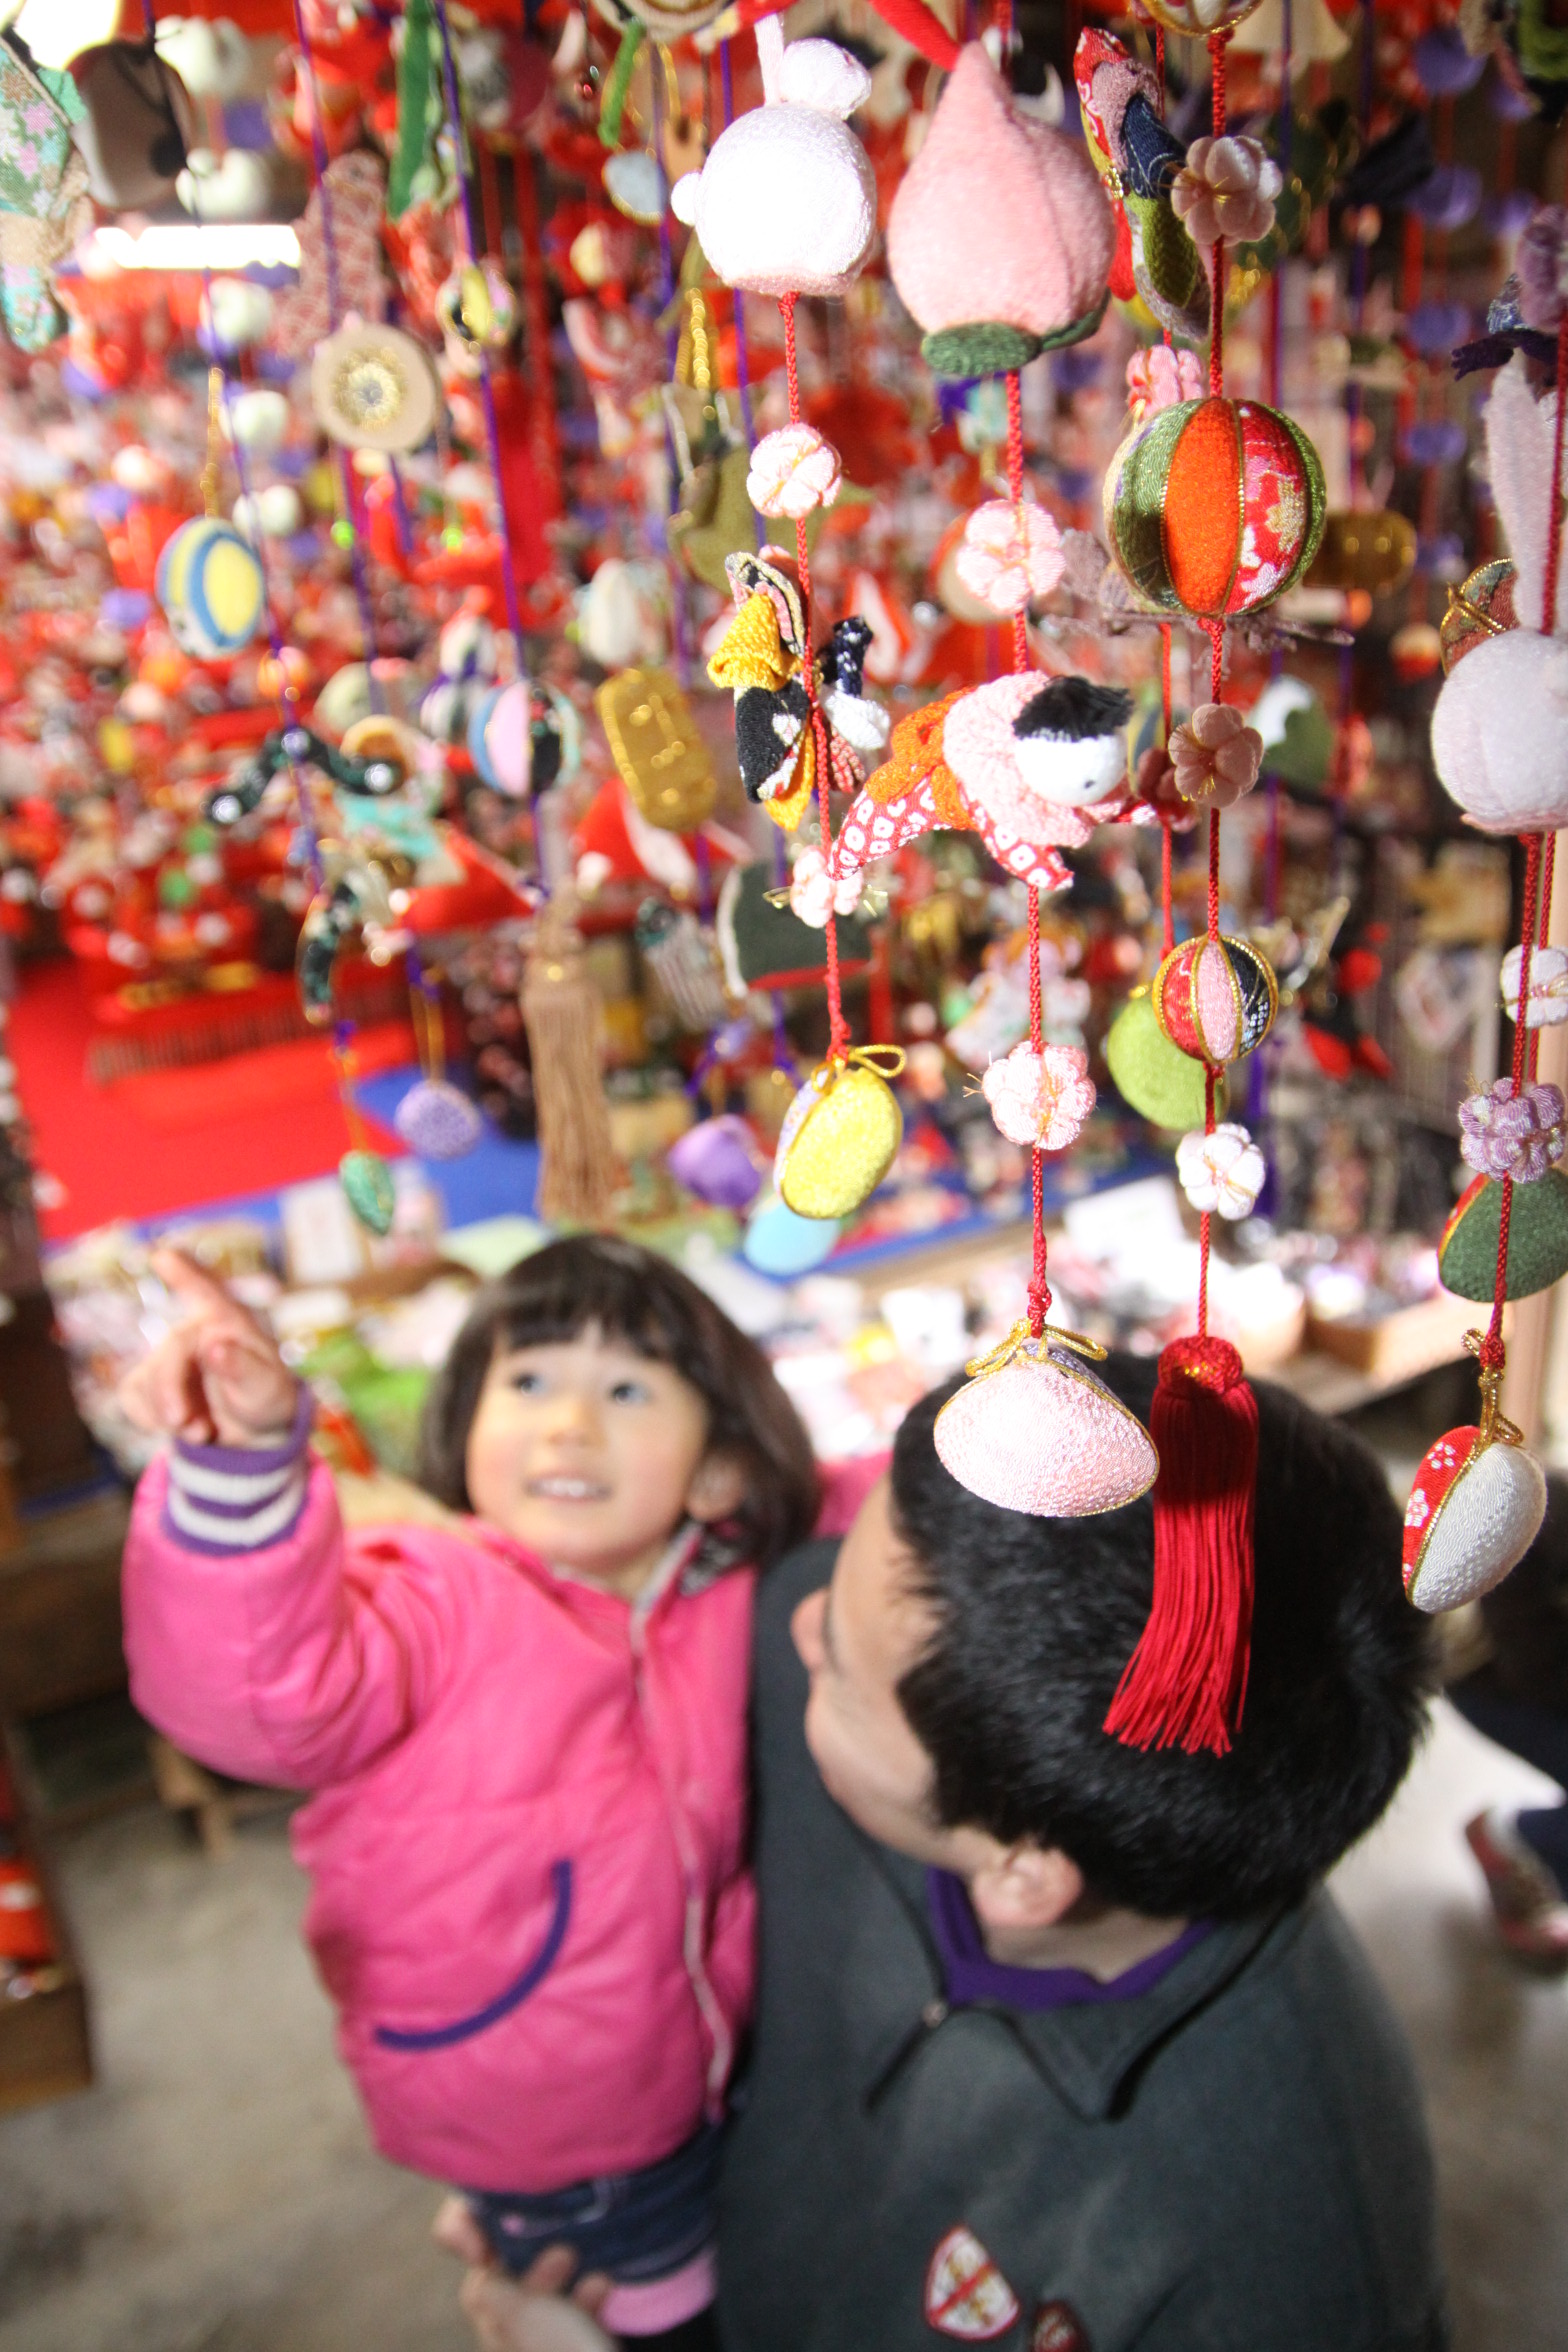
x: 190, y: 245
x: 58, y: 30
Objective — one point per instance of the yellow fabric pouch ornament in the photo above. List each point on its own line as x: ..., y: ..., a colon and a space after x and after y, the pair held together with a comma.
x: 841, y: 1133
x: 1034, y: 1430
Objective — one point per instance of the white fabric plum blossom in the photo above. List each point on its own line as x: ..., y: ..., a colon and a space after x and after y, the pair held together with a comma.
x: 1040, y: 1100
x: 814, y: 895
x: 1216, y: 755
x: 1224, y: 1171
x: 1010, y: 554
x: 793, y: 471
x: 1226, y: 188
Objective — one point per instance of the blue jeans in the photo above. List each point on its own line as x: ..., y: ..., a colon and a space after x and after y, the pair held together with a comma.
x: 635, y: 2226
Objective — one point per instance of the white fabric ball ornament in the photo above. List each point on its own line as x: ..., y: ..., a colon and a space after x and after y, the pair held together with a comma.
x: 1500, y: 733
x: 1547, y: 1002
x: 793, y: 471
x: 787, y: 202
x: 1222, y: 1172
x: 257, y: 419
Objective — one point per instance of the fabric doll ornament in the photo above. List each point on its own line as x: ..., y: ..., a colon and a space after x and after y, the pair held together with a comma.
x: 1031, y: 764
x: 786, y: 201
x: 1537, y: 1238
x: 1475, y: 1508
x: 1500, y: 724
x: 840, y: 1134
x: 759, y: 660
x: 1034, y: 1430
x: 1138, y: 159
x: 1000, y: 239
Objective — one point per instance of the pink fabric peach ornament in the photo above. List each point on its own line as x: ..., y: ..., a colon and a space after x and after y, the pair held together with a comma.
x: 786, y: 202
x: 1475, y: 1509
x: 1216, y: 755
x: 792, y: 472
x: 1221, y: 1172
x: 1034, y: 1430
x: 1010, y: 555
x: 1226, y: 189
x: 1040, y: 1099
x: 1000, y: 238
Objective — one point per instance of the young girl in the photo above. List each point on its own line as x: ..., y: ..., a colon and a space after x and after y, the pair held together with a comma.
x: 525, y: 1733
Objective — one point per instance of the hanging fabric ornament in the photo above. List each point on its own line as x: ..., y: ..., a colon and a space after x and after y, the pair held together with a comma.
x: 717, y: 1160
x: 1215, y: 998
x: 1482, y: 607
x: 435, y: 1118
x: 374, y: 388
x: 1153, y: 1076
x: 1040, y: 1097
x: 793, y: 471
x: 1218, y: 508
x: 1034, y: 1430
x: 678, y: 955
x: 1374, y: 552
x: 1514, y: 1131
x: 1475, y: 1509
x: 786, y: 201
x: 367, y: 1185
x: 658, y: 749
x: 841, y: 1133
x: 1546, y: 996
x: 1000, y: 239
x: 577, y: 1166
x: 781, y: 1244
x: 1221, y: 1170
x: 1199, y: 20
x: 1537, y: 1238
x: 1138, y: 160
x: 209, y: 583
x: 1500, y: 723
x: 1009, y: 556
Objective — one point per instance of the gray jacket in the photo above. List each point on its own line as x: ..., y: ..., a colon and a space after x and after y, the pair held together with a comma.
x: 1234, y: 2162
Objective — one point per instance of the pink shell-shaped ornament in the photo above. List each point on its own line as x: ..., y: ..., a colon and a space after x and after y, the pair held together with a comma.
x: 1041, y: 1434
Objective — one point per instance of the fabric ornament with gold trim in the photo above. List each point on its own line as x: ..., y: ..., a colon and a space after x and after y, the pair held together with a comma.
x: 658, y: 748
x: 1475, y: 1508
x: 374, y: 388
x: 1218, y: 508
x: 1215, y: 999
x: 840, y: 1134
x: 1034, y: 1430
x: 1031, y: 764
x: 1481, y: 606
x: 1537, y: 1238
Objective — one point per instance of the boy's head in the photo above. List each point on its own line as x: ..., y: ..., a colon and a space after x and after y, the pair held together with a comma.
x: 596, y: 1398
x: 964, y: 1658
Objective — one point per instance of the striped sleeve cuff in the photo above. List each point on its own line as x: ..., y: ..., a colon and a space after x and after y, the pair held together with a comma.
x: 223, y: 1499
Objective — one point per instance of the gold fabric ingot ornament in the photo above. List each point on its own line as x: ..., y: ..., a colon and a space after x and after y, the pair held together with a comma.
x: 656, y: 745
x: 1374, y: 551
x: 841, y: 1133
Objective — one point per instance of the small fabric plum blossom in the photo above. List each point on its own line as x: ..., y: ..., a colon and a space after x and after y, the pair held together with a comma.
x: 1040, y: 1100
x: 1547, y: 1003
x: 1223, y: 1171
x: 792, y: 471
x: 1504, y: 1134
x: 1226, y: 189
x: 1154, y: 783
x: 814, y: 894
x: 1160, y: 376
x: 1216, y: 755
x: 1010, y: 554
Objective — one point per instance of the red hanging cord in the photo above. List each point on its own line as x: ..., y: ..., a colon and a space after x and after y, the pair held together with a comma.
x: 1039, y: 1291
x: 1491, y: 1354
x: 1167, y: 903
x: 1015, y: 491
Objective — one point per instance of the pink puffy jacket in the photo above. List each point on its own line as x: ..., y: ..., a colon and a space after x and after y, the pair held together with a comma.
x: 529, y: 1900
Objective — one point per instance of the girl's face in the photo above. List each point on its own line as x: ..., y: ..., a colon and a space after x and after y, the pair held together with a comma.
x: 592, y: 1456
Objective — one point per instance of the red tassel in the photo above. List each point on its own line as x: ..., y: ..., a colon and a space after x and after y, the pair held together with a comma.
x: 1186, y: 1681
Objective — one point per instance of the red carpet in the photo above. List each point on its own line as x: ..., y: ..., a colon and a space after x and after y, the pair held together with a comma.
x: 173, y: 1139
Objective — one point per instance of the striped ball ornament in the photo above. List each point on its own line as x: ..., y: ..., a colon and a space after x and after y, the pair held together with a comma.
x: 1217, y: 509
x: 210, y: 584
x: 1215, y: 999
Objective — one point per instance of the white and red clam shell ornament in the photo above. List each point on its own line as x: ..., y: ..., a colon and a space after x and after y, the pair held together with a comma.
x: 1475, y: 1509
x: 1034, y: 1430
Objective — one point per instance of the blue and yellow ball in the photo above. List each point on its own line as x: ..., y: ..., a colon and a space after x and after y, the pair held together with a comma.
x: 211, y: 587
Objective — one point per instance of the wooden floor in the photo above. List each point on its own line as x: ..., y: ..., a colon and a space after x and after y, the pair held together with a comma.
x: 216, y: 2194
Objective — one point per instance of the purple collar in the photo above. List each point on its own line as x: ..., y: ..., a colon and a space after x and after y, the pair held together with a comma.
x: 973, y: 1976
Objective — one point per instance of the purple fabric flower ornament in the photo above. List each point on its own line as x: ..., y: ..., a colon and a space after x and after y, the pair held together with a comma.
x: 1522, y: 1136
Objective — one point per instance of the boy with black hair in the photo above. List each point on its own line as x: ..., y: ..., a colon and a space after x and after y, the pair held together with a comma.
x: 1060, y: 2046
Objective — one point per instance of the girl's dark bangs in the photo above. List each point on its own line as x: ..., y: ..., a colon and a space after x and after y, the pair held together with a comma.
x: 564, y: 1301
